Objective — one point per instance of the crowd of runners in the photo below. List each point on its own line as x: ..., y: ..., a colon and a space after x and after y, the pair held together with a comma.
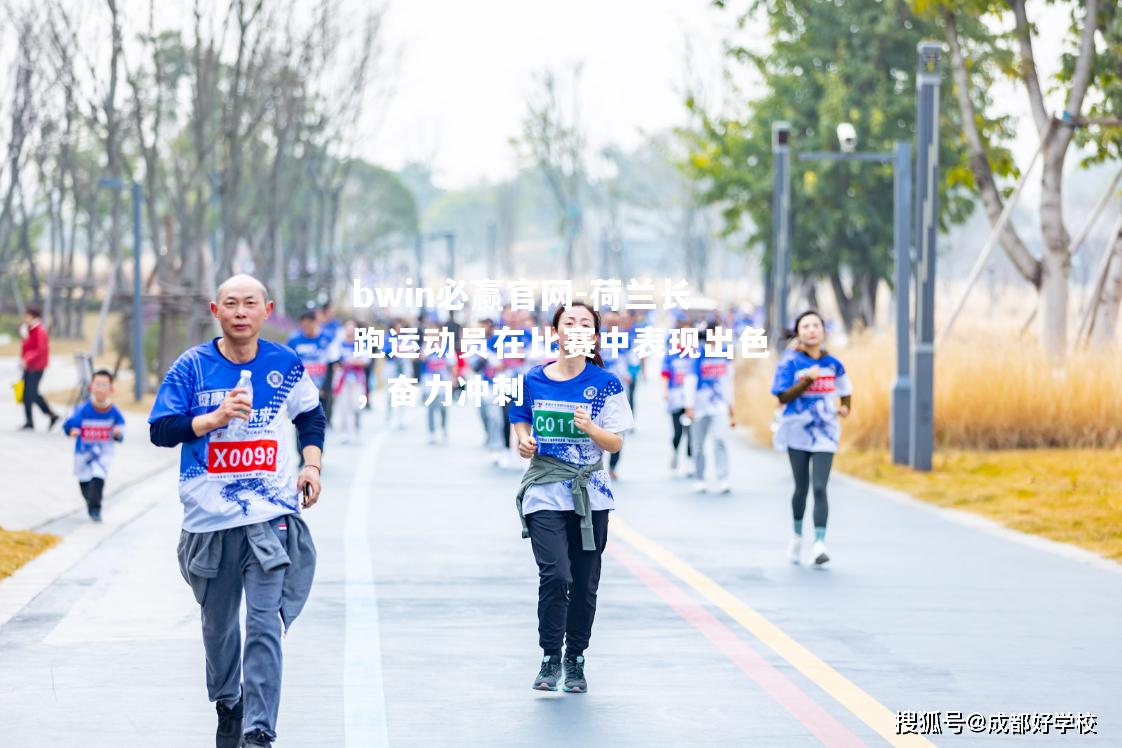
x: 251, y: 417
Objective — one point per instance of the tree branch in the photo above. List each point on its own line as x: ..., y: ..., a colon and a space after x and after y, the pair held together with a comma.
x: 1027, y: 265
x: 1028, y: 67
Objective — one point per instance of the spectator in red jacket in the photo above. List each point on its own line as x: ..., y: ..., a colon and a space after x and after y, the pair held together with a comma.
x: 33, y: 358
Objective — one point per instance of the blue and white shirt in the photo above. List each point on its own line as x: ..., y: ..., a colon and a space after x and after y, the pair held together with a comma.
x: 226, y: 483
x: 810, y: 421
x: 548, y: 406
x: 708, y: 385
x: 441, y: 365
x: 674, y: 369
x: 94, y: 447
x: 333, y: 329
x: 315, y: 353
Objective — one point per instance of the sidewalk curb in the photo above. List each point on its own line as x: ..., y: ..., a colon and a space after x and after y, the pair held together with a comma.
x: 22, y: 587
x: 970, y: 519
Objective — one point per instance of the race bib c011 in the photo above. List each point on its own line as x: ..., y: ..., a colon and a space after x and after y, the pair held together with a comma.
x: 553, y: 422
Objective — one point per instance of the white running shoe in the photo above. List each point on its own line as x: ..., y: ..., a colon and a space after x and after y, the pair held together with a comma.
x: 795, y: 550
x: 819, y: 553
x: 724, y: 487
x: 701, y: 487
x: 674, y: 463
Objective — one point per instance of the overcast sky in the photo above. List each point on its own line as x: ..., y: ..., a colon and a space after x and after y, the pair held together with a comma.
x: 464, y: 70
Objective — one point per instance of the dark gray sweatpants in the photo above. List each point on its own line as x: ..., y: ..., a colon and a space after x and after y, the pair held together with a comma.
x: 259, y: 664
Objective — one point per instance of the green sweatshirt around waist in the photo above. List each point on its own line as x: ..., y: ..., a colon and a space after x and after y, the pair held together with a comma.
x: 544, y: 469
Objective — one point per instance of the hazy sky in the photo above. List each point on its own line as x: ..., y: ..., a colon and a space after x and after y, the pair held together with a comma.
x: 464, y: 70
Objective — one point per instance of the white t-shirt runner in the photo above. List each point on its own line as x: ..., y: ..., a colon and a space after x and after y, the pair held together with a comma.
x: 548, y: 406
x: 227, y: 483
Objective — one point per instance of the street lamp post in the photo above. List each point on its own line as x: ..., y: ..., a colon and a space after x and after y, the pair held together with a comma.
x: 115, y: 183
x: 901, y: 159
x: 926, y: 225
x: 901, y: 406
x: 780, y: 223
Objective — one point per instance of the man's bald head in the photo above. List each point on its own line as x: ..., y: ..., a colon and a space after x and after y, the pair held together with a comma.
x: 241, y: 307
x: 241, y: 285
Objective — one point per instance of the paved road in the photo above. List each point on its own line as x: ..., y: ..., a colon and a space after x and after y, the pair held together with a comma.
x: 421, y: 629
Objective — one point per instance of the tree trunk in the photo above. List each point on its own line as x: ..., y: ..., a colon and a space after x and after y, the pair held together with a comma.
x: 1056, y: 262
x: 844, y: 302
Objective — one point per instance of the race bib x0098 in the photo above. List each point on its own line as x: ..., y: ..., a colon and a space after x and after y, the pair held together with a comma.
x: 241, y: 459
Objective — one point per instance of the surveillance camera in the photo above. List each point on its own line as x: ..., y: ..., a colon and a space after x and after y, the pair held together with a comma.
x: 780, y: 134
x: 847, y: 137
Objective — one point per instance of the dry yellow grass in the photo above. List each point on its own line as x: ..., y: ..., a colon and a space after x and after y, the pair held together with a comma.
x: 1031, y: 445
x: 990, y: 393
x: 1070, y: 495
x: 17, y: 547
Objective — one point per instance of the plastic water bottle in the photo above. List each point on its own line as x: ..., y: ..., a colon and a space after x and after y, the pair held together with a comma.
x: 237, y: 427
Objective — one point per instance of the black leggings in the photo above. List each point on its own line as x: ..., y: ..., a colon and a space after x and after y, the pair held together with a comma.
x: 91, y: 492
x: 567, y: 578
x: 679, y: 429
x: 801, y: 464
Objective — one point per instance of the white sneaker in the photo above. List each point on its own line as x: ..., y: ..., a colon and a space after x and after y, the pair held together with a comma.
x: 819, y: 553
x: 701, y: 487
x: 674, y: 463
x: 724, y: 487
x: 795, y: 550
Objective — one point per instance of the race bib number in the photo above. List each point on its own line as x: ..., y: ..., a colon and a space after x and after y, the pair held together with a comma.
x: 553, y: 422
x: 96, y: 432
x: 825, y: 384
x: 713, y: 369
x: 315, y: 368
x: 226, y: 459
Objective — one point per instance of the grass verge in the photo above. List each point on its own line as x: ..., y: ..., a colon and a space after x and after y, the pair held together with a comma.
x: 17, y: 547
x: 1070, y: 495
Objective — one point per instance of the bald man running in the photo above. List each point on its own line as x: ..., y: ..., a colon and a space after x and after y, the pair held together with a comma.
x: 241, y: 494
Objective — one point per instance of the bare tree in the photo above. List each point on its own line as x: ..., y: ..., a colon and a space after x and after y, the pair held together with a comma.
x: 553, y: 139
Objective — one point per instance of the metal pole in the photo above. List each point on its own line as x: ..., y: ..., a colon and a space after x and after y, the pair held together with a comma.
x: 781, y: 221
x: 450, y: 237
x: 137, y: 322
x: 901, y: 218
x: 492, y: 247
x: 927, y: 212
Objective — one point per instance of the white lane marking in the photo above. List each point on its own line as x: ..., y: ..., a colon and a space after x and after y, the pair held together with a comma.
x: 364, y: 697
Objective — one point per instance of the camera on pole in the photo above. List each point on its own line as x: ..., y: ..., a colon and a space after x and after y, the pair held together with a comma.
x: 847, y: 137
